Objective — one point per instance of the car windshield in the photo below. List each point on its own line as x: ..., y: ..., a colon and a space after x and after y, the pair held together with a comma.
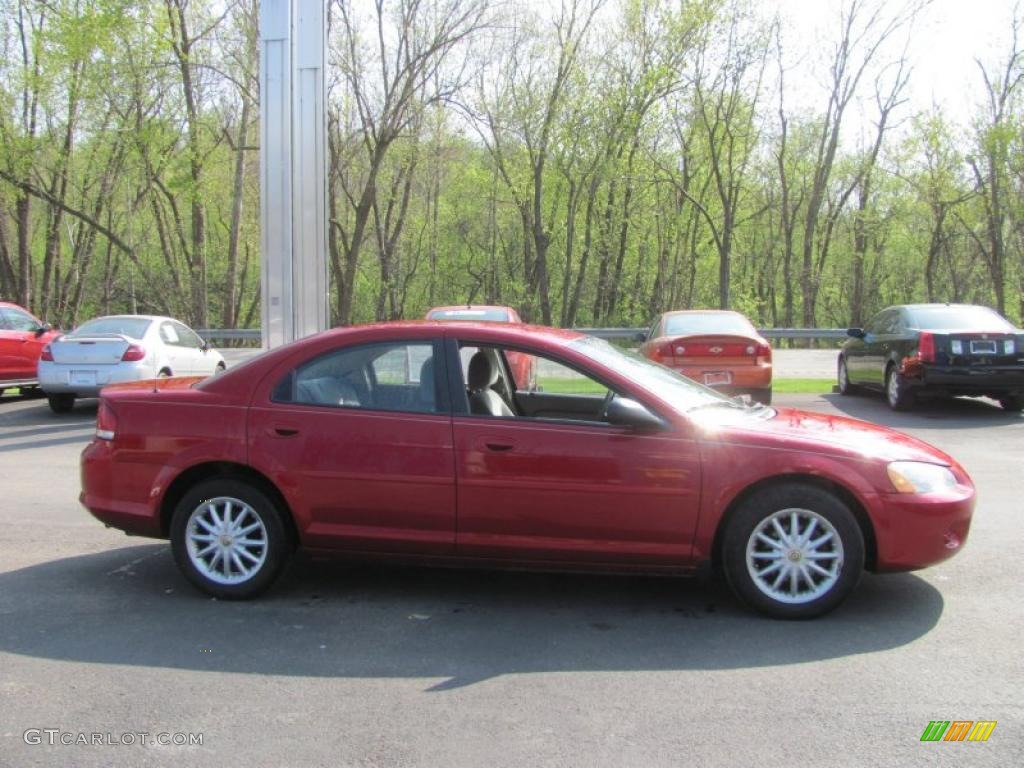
x: 958, y: 318
x: 486, y: 315
x: 680, y: 392
x: 711, y: 322
x: 132, y: 327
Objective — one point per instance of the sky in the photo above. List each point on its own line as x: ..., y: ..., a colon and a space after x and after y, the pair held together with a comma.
x: 947, y: 37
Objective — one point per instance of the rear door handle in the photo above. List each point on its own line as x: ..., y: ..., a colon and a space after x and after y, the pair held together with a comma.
x: 492, y: 446
x: 282, y: 431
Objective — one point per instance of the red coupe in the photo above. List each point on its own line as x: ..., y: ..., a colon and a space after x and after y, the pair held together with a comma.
x: 719, y: 348
x: 382, y: 441
x: 22, y: 339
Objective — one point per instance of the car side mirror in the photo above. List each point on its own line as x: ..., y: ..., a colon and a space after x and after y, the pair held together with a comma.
x: 44, y: 328
x: 625, y: 412
x: 205, y: 346
x: 640, y: 337
x: 857, y: 333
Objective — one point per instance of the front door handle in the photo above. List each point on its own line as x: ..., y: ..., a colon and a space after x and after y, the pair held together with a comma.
x: 283, y: 431
x: 493, y: 446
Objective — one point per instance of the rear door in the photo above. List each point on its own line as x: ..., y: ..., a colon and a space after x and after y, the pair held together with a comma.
x: 362, y: 443
x: 177, y: 355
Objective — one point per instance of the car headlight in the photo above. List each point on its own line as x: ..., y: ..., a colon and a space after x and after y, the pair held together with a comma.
x: 919, y: 477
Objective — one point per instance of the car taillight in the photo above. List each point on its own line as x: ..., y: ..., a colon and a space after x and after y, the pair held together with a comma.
x: 764, y: 353
x: 926, y: 347
x: 133, y: 354
x: 106, y: 421
x: 47, y: 354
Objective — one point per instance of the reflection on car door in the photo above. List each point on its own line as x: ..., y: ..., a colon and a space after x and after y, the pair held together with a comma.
x: 366, y: 468
x: 536, y: 489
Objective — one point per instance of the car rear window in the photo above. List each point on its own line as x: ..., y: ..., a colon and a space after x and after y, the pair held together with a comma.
x: 707, y: 323
x: 955, y: 318
x: 486, y: 315
x: 132, y: 327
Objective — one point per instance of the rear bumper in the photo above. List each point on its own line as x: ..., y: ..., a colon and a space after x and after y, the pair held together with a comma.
x: 1002, y: 380
x: 104, y: 498
x: 744, y: 378
x: 917, y: 531
x: 55, y: 378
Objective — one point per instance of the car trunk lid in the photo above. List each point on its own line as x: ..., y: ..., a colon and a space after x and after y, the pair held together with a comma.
x: 105, y: 349
x: 718, y: 349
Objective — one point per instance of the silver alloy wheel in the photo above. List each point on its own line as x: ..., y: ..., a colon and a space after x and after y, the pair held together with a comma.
x: 844, y: 377
x: 892, y: 387
x: 794, y: 556
x: 226, y: 540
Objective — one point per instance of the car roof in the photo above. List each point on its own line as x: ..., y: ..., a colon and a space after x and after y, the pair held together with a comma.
x: 456, y: 307
x: 131, y: 317
x: 703, y: 312
x: 937, y: 305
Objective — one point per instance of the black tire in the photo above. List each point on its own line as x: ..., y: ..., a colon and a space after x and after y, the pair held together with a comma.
x: 221, y: 367
x: 1012, y: 402
x: 763, y: 396
x: 61, y: 403
x: 165, y: 373
x: 275, y: 535
x: 843, y: 377
x: 811, y: 503
x: 897, y: 393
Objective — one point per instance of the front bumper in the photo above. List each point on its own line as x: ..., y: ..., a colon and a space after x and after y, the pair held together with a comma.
x: 56, y: 378
x: 916, y: 531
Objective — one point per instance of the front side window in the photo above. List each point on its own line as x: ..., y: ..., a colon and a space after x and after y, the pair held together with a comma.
x: 187, y: 337
x: 382, y: 377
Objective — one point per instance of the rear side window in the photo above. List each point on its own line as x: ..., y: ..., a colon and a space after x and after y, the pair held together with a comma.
x: 380, y: 377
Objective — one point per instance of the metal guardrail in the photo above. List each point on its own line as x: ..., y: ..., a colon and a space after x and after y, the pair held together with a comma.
x: 616, y: 334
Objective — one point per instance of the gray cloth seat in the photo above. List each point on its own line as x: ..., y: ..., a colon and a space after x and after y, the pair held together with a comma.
x: 481, y: 376
x: 327, y: 390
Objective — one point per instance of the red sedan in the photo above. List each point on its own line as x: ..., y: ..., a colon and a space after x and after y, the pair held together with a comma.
x: 22, y: 338
x: 718, y: 348
x: 380, y: 441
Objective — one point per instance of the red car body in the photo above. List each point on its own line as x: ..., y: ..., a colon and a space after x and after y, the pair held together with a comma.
x: 486, y: 490
x: 22, y: 338
x: 524, y: 367
x: 720, y: 349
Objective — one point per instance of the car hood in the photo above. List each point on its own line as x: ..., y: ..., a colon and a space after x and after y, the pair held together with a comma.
x: 818, y: 432
x: 155, y: 385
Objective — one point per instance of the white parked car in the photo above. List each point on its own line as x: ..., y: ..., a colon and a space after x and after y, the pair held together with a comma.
x: 120, y: 348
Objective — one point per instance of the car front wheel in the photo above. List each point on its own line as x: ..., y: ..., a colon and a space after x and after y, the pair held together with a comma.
x: 229, y: 538
x: 793, y: 551
x: 843, y: 375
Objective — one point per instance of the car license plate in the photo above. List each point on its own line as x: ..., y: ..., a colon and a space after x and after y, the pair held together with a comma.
x: 82, y: 379
x: 983, y: 347
x: 717, y: 378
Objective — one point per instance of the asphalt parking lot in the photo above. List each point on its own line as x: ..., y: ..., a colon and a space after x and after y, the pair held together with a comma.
x: 369, y: 666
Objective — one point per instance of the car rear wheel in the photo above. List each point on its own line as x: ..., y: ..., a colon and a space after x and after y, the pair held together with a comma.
x: 229, y: 539
x: 843, y: 375
x: 61, y: 403
x: 897, y: 394
x: 793, y: 551
x: 1012, y: 402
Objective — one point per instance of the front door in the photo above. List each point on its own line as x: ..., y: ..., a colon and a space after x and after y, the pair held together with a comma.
x: 553, y: 482
x: 20, y: 344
